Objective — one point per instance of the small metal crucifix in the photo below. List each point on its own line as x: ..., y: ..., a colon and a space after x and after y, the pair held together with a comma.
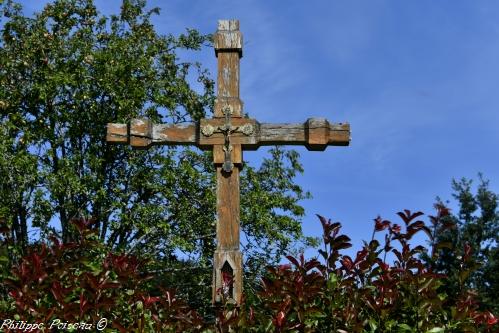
x: 228, y: 133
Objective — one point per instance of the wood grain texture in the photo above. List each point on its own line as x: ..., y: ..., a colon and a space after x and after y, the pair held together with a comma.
x: 316, y: 135
x: 228, y: 77
x: 228, y: 49
x: 117, y: 133
x: 178, y: 134
x: 224, y: 25
x: 141, y: 133
x: 232, y: 102
x: 228, y: 37
x: 228, y: 209
x: 236, y: 154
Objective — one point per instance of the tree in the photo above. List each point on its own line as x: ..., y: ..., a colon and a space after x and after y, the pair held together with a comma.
x: 477, y: 228
x: 68, y: 71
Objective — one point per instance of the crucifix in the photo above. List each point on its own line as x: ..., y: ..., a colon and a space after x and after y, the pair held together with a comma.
x: 228, y: 133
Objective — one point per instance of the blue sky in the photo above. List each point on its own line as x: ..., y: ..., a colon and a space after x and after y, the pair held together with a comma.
x: 417, y: 80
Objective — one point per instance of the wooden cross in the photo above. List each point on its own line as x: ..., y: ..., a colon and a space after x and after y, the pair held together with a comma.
x: 228, y: 133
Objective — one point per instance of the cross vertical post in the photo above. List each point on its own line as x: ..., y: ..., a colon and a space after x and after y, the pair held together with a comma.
x: 227, y: 134
x: 227, y: 260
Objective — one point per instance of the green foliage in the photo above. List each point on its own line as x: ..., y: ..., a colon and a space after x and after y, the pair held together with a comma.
x: 477, y: 227
x: 365, y: 293
x: 68, y: 71
x: 81, y: 281
x: 263, y: 201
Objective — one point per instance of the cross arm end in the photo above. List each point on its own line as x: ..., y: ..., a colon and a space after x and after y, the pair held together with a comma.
x: 320, y: 133
x: 117, y: 133
x: 138, y: 133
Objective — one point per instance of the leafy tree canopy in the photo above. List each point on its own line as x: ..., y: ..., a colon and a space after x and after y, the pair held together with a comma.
x: 64, y: 74
x: 477, y: 228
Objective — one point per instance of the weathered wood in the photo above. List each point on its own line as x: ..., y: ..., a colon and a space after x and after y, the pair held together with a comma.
x: 228, y: 43
x: 228, y: 49
x: 161, y: 134
x: 117, y: 133
x: 235, y: 104
x: 228, y: 209
x: 228, y: 133
x: 138, y: 133
x: 227, y: 229
x: 228, y: 37
x: 235, y: 260
x: 228, y: 77
x: 236, y: 155
x: 179, y: 134
x: 141, y: 133
x: 315, y: 134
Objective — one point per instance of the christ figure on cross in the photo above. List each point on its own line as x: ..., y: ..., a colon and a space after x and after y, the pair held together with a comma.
x: 228, y: 133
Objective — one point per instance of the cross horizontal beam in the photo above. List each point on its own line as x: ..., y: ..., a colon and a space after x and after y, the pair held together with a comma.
x: 228, y: 133
x: 315, y: 133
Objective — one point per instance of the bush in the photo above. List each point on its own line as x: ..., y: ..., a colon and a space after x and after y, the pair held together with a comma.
x: 367, y: 293
x: 81, y: 282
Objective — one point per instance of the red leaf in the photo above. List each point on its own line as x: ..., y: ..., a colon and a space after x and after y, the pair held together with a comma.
x: 341, y: 246
x: 380, y: 224
x: 442, y: 210
x: 148, y: 301
x: 384, y: 266
x: 427, y: 231
x: 491, y: 319
x: 311, y: 264
x: 56, y: 291
x: 417, y: 225
x: 284, y: 267
x: 361, y: 255
x: 325, y: 223
x: 83, y: 303
x: 347, y: 263
x: 395, y: 229
x: 407, y: 216
x: 398, y: 254
x: 342, y: 238
x: 279, y: 319
x: 293, y: 260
